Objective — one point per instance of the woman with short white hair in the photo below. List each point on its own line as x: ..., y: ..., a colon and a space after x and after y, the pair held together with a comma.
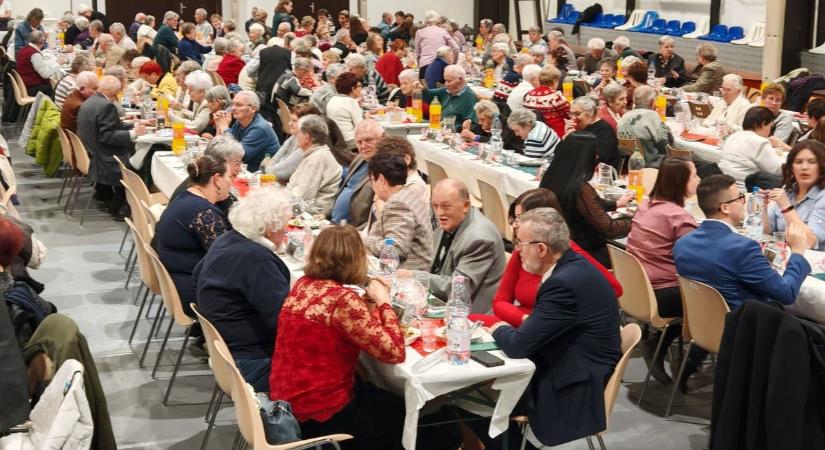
x: 242, y: 283
x: 434, y: 75
x: 221, y: 46
x: 197, y: 83
x: 670, y: 67
x: 319, y: 174
x: 539, y: 140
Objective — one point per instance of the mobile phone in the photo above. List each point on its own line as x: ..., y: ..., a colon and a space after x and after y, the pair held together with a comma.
x: 486, y: 359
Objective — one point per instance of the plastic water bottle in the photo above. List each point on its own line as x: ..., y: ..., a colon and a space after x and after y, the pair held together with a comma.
x: 458, y: 341
x: 458, y: 305
x: 388, y: 258
x: 753, y: 219
x: 651, y: 74
x: 496, y: 143
x: 126, y: 101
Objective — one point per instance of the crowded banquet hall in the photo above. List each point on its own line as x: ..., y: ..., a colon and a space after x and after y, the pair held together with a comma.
x: 364, y: 225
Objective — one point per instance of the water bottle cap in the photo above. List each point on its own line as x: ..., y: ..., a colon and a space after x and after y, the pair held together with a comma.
x: 756, y: 189
x: 389, y: 241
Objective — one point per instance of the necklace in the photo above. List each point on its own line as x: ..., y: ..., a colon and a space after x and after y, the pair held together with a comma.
x: 200, y: 193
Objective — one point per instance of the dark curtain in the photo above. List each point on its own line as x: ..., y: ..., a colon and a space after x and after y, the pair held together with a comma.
x: 496, y: 10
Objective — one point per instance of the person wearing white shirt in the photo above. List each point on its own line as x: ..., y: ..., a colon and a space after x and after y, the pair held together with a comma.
x: 733, y: 106
x: 147, y: 30
x: 36, y: 68
x: 749, y: 151
x: 118, y: 32
x: 5, y: 9
x: 529, y: 81
x: 343, y: 108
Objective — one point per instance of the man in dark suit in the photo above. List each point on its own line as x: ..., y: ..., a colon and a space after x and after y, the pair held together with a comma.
x: 105, y: 136
x: 275, y: 60
x: 572, y: 335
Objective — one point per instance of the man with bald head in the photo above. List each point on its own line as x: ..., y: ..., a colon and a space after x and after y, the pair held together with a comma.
x: 354, y: 198
x: 466, y: 243
x: 85, y: 87
x: 105, y: 136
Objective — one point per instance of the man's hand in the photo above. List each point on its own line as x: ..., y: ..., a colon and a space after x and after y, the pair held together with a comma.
x: 222, y: 120
x: 140, y: 129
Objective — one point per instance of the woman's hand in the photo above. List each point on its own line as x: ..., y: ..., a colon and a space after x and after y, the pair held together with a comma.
x: 378, y: 292
x: 468, y: 135
x: 780, y: 197
x: 624, y: 200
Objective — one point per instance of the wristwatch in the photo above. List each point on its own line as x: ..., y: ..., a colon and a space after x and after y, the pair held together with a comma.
x: 788, y: 209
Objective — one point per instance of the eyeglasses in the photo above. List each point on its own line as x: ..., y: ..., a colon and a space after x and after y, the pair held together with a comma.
x: 522, y: 244
x: 740, y: 199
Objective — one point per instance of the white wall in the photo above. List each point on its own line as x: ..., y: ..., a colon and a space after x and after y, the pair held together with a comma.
x: 51, y: 8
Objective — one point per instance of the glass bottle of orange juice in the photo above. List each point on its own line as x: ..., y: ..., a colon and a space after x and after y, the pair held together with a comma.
x: 435, y: 114
x: 178, y: 141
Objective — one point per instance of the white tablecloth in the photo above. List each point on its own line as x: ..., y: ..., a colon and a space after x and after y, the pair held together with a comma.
x: 403, y: 129
x: 701, y: 151
x: 168, y: 172
x: 422, y: 383
x: 810, y: 302
x: 468, y: 168
x: 145, y: 142
x: 483, y: 93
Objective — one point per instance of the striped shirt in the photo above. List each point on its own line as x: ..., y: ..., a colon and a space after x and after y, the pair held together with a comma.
x: 64, y: 87
x: 541, y: 142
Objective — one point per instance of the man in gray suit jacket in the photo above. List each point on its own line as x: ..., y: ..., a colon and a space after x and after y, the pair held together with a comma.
x: 353, y: 202
x: 466, y: 243
x: 105, y: 136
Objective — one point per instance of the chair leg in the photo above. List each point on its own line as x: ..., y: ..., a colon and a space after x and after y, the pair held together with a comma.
x: 151, y: 301
x: 211, y: 425
x: 177, y: 364
x: 677, y: 380
x: 72, y: 189
x: 63, y: 175
x: 211, y: 403
x: 163, y: 346
x: 238, y: 438
x: 601, y: 442
x: 140, y: 313
x: 655, y: 352
x: 76, y: 194
x: 129, y: 258
x: 131, y: 272
x: 88, y: 204
x: 123, y: 241
x: 524, y: 437
x: 137, y: 294
x: 590, y: 443
x: 151, y: 332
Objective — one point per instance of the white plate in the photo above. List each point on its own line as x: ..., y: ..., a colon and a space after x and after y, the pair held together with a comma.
x: 478, y: 333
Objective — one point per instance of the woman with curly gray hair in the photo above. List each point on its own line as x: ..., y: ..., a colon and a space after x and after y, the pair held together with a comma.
x: 241, y: 282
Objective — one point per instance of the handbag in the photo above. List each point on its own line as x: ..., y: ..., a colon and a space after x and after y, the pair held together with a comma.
x: 280, y: 426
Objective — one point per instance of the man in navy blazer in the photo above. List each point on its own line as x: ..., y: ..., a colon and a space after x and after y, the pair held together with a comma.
x: 572, y: 335
x: 715, y: 254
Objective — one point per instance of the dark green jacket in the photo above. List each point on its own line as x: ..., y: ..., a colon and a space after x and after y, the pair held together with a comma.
x: 461, y: 106
x: 166, y: 37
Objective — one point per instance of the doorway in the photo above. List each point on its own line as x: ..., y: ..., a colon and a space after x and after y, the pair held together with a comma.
x: 124, y: 11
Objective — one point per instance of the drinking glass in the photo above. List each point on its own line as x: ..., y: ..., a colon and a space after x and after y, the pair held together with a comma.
x: 428, y: 329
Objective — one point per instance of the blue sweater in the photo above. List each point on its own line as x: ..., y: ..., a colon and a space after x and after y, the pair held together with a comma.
x: 189, y: 49
x: 435, y: 73
x: 258, y: 140
x: 241, y: 287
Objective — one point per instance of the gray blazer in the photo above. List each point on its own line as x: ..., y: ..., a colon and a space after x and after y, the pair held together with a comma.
x: 362, y: 196
x: 104, y: 136
x: 477, y: 252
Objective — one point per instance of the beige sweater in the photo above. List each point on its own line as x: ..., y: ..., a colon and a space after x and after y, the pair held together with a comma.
x: 317, y: 178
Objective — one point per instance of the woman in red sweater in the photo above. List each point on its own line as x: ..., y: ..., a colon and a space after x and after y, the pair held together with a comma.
x: 549, y: 100
x: 322, y: 328
x: 389, y: 65
x: 231, y: 65
x: 518, y: 285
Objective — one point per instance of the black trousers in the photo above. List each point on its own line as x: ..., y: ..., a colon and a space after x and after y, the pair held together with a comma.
x: 669, y: 301
x: 375, y: 418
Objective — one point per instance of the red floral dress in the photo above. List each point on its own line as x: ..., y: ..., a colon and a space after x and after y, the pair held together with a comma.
x: 552, y: 104
x: 322, y: 328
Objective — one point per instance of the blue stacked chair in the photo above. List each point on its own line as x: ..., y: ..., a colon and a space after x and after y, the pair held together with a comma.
x: 574, y: 16
x: 658, y: 27
x: 607, y: 21
x: 687, y: 27
x: 564, y: 14
x: 735, y: 33
x: 647, y: 21
x: 673, y: 27
x: 718, y: 33
x: 618, y: 20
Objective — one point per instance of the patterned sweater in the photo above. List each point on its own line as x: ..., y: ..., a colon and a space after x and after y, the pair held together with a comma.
x: 552, y: 104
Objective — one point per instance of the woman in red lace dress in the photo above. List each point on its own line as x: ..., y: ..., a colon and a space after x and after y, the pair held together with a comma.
x: 322, y: 328
x: 549, y: 100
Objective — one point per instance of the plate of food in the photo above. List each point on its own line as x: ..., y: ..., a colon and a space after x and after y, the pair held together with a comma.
x: 410, y: 334
x: 478, y: 333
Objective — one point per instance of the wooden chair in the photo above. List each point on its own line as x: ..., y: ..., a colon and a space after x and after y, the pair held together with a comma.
x: 82, y: 164
x: 673, y: 152
x: 152, y: 214
x: 283, y: 114
x: 638, y: 300
x: 649, y: 175
x: 435, y: 172
x: 140, y: 221
x: 752, y: 94
x: 705, y: 310
x: 68, y: 171
x: 21, y: 96
x: 628, y: 146
x: 217, y: 80
x: 495, y: 208
x: 249, y: 418
x: 699, y: 110
x: 148, y: 277
x: 172, y: 303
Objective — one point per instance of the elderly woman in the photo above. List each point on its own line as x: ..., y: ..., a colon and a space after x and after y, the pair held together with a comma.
x: 585, y: 118
x: 189, y: 49
x: 434, y: 75
x: 217, y: 99
x: 257, y: 42
x: 733, y: 106
x: 773, y: 95
x: 389, y: 65
x: 284, y: 163
x: 456, y: 98
x: 321, y: 96
x: 322, y: 329
x: 242, y: 283
x: 615, y: 98
x: 375, y: 49
x: 147, y: 30
x: 82, y: 25
x: 221, y: 46
x: 539, y: 140
x: 500, y: 61
x: 329, y: 58
x: 644, y: 124
x: 669, y: 66
x: 289, y: 87
x: 708, y: 73
x: 596, y: 53
x: 549, y: 100
x: 181, y: 98
x: 403, y: 97
x: 539, y: 54
x: 151, y: 73
x: 81, y: 63
x: 318, y: 175
x: 749, y: 151
x: 138, y: 87
x: 486, y: 110
x: 231, y: 64
x: 197, y: 83
x: 607, y: 76
x: 429, y: 39
x: 344, y: 108
x: 191, y: 223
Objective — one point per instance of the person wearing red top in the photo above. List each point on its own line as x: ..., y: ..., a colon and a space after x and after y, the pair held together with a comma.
x: 322, y: 328
x: 615, y: 99
x: 659, y: 222
x: 231, y: 65
x: 519, y: 285
x: 549, y: 101
x: 389, y: 65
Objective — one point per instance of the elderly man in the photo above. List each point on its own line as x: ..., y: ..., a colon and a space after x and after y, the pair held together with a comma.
x: 344, y: 43
x: 95, y: 29
x: 282, y: 30
x: 85, y: 87
x: 456, y: 98
x: 166, y: 33
x: 733, y: 106
x: 584, y: 112
x: 556, y: 40
x: 529, y: 81
x: 320, y: 97
x: 86, y: 11
x: 105, y: 136
x: 289, y: 88
x: 534, y: 37
x: 271, y: 63
x: 595, y: 54
x: 429, y: 39
x: 230, y: 150
x: 36, y: 68
x: 82, y: 62
x: 385, y: 23
x: 709, y: 73
x: 572, y: 335
x: 465, y: 244
x: 22, y: 31
x: 133, y: 28
x: 250, y: 129
x: 354, y: 198
x: 118, y: 31
x: 358, y: 65
x: 644, y: 124
x: 205, y: 29
x: 621, y: 47
x: 109, y: 53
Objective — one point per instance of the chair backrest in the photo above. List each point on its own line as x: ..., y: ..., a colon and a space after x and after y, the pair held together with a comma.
x: 638, y: 299
x: 659, y: 24
x: 705, y: 311
x: 135, y: 182
x: 246, y: 410
x: 631, y: 334
x: 145, y: 268
x: 283, y: 114
x: 167, y: 289
x: 150, y: 215
x: 435, y: 172
x: 494, y: 207
x: 139, y: 218
x: 649, y: 175
x: 674, y: 152
x: 66, y: 147
x: 222, y: 371
x: 629, y: 145
x: 735, y: 33
x: 688, y: 27
x: 19, y: 93
x: 81, y: 156
x: 699, y: 110
x: 794, y: 136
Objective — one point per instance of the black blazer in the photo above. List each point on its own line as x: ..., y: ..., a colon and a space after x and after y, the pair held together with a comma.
x: 573, y: 338
x: 275, y: 61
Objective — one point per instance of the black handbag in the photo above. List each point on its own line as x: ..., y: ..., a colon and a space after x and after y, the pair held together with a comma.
x: 280, y: 426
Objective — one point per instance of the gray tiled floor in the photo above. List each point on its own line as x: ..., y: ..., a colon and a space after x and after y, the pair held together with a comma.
x: 84, y: 276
